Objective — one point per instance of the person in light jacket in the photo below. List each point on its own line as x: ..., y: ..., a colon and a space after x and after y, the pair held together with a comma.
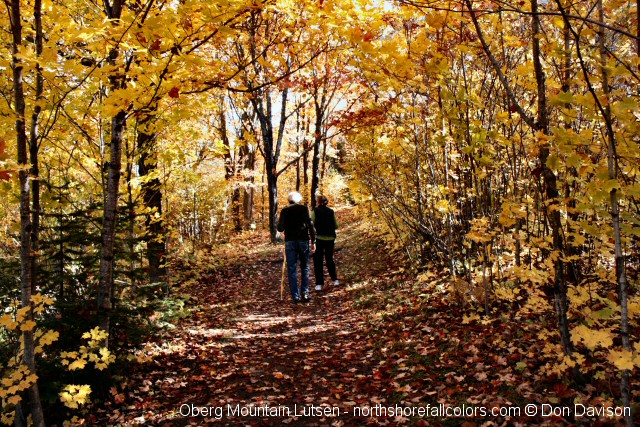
x: 324, y: 219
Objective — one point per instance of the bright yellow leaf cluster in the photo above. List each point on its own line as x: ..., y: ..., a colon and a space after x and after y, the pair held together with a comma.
x: 625, y: 359
x: 592, y: 338
x: 16, y: 377
x: 93, y: 352
x: 12, y: 384
x: 73, y: 396
x: 20, y: 320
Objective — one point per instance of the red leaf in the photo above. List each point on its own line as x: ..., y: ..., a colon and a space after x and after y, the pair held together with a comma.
x: 141, y: 38
x: 174, y: 92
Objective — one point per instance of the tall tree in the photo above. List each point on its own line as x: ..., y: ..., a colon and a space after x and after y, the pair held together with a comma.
x: 151, y: 189
x: 26, y: 248
x: 113, y: 12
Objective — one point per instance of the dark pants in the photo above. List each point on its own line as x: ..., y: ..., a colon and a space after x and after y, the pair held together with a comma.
x: 297, y: 251
x: 324, y: 251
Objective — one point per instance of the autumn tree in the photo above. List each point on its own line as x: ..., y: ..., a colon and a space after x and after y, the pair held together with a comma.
x: 29, y: 192
x: 482, y: 136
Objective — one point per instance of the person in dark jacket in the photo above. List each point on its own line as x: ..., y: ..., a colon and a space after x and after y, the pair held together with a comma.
x: 324, y: 219
x: 298, y: 230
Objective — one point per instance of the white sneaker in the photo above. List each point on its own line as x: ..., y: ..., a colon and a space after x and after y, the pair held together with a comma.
x: 318, y: 288
x: 336, y: 282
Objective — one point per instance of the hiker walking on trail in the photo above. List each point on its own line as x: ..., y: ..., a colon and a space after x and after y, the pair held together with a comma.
x: 298, y: 229
x: 326, y: 224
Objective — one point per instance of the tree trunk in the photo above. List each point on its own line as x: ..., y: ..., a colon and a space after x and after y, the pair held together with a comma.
x: 26, y: 254
x: 231, y: 170
x: 131, y: 214
x: 299, y: 127
x: 323, y: 163
x: 612, y: 158
x: 305, y: 167
x: 248, y: 157
x: 34, y: 149
x: 118, y: 123
x: 151, y: 190
x: 105, y: 288
x: 271, y: 150
x: 551, y: 190
x: 315, y: 160
x: 305, y: 158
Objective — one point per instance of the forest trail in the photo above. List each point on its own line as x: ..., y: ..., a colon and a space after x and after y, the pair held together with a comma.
x: 246, y: 347
x: 384, y: 339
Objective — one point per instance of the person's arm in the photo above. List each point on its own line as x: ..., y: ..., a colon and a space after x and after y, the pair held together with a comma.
x: 280, y: 225
x: 335, y: 220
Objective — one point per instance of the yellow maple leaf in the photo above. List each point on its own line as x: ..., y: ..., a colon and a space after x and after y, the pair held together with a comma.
x: 592, y: 338
x: 77, y: 364
x: 14, y: 400
x: 621, y: 359
x: 28, y: 326
x: 49, y: 337
x: 8, y: 322
x: 73, y: 395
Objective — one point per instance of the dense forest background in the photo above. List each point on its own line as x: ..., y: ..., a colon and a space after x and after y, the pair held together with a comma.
x: 497, y: 142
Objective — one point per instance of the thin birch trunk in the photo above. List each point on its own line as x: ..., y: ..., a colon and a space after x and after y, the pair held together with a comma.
x: 118, y: 123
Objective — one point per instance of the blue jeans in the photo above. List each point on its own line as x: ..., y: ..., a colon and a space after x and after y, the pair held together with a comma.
x: 297, y: 250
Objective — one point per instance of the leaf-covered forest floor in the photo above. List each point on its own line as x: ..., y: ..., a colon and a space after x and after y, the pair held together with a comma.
x: 377, y: 340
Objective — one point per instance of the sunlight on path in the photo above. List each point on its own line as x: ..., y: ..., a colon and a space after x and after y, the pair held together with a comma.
x: 245, y: 346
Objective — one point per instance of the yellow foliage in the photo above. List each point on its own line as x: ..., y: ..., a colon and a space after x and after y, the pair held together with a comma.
x: 77, y: 364
x: 592, y: 338
x: 634, y: 308
x: 6, y: 321
x: 29, y: 325
x: 507, y: 294
x: 14, y: 400
x: 14, y: 382
x: 18, y: 378
x: 565, y: 363
x: 8, y: 417
x: 73, y: 396
x: 623, y: 359
x: 94, y: 353
x: 45, y: 339
x: 480, y: 231
x: 95, y: 335
x: 579, y: 295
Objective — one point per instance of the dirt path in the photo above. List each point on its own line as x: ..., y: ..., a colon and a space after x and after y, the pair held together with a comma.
x: 251, y: 358
x: 385, y: 339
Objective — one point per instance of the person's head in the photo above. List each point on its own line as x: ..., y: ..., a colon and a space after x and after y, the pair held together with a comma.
x: 321, y: 200
x: 294, y: 197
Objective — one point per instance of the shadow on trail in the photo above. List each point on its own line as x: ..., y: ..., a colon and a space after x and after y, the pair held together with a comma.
x: 249, y: 352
